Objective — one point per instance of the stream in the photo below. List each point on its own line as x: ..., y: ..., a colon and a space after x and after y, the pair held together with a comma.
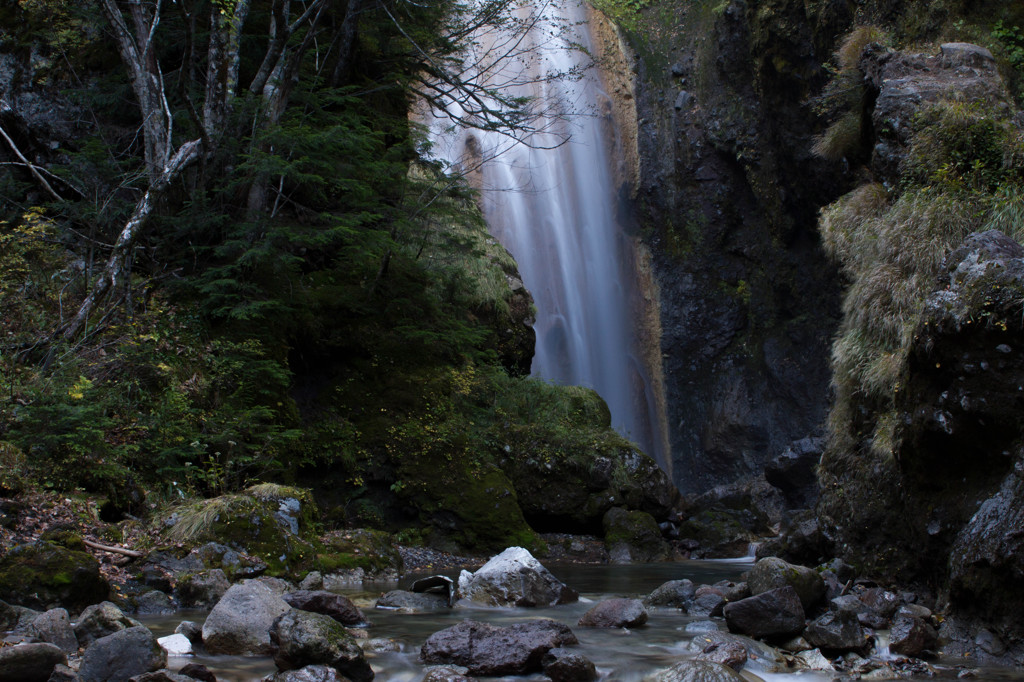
x: 625, y: 655
x: 618, y: 655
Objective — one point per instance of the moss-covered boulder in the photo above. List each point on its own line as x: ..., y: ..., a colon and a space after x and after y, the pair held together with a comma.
x: 370, y: 550
x: 272, y: 523
x: 719, y: 532
x: 568, y: 475
x: 634, y: 536
x: 464, y: 502
x: 44, y: 576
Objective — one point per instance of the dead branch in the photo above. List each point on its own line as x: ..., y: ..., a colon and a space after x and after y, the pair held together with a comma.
x: 113, y: 550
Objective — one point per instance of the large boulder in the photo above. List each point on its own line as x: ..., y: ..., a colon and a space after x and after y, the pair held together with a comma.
x: 911, y: 636
x: 54, y: 627
x: 987, y: 560
x: 16, y: 618
x: 484, y: 649
x: 122, y: 655
x: 565, y: 665
x: 336, y: 606
x: 44, y: 576
x: 836, y: 631
x: 303, y: 638
x: 794, y: 472
x: 240, y: 622
x: 634, y: 536
x: 615, y: 613
x: 100, y: 620
x: 514, y: 578
x: 203, y: 589
x: 273, y: 523
x: 772, y: 614
x: 574, y: 490
x: 368, y: 553
x: 412, y: 602
x: 674, y: 594
x: 771, y: 573
x: 30, y: 662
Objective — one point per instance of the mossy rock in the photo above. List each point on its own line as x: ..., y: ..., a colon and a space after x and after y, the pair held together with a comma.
x: 370, y: 550
x: 634, y: 536
x: 570, y: 489
x: 273, y: 523
x: 67, y: 539
x: 44, y: 576
x: 466, y: 504
x: 720, y: 532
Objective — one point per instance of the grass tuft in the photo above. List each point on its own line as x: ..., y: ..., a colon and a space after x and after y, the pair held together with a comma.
x: 849, y: 52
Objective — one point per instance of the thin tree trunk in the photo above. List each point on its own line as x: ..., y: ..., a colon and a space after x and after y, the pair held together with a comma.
x: 347, y: 43
x: 115, y: 270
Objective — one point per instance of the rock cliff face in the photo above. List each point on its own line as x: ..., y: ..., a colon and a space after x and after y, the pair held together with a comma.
x: 921, y: 481
x: 749, y: 303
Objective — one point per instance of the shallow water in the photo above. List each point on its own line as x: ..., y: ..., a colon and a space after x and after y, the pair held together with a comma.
x: 620, y: 655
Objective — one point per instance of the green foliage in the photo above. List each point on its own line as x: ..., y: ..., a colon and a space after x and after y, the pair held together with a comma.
x: 623, y: 12
x: 1011, y: 40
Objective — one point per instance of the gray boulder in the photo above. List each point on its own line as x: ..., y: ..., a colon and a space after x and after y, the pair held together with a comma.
x: 911, y: 636
x: 835, y: 630
x: 121, y: 656
x: 154, y: 602
x: 565, y: 665
x: 485, y: 649
x: 16, y: 618
x: 775, y: 613
x: 717, y: 643
x: 695, y: 671
x: 30, y: 662
x: 674, y: 593
x: 709, y: 601
x: 771, y: 573
x: 615, y: 613
x: 337, y: 606
x: 514, y: 578
x: 732, y: 654
x: 202, y: 590
x: 240, y: 622
x: 100, y: 620
x: 54, y: 627
x: 866, y: 615
x: 412, y: 602
x: 303, y: 638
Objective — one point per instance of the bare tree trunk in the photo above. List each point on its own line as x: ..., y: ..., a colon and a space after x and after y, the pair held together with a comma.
x: 114, y: 272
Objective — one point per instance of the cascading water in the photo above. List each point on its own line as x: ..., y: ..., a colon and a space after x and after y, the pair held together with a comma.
x: 553, y: 202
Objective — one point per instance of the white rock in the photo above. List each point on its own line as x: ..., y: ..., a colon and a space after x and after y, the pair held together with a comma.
x: 514, y: 578
x: 176, y: 645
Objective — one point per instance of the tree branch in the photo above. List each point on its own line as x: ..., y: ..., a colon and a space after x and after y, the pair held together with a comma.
x: 32, y: 169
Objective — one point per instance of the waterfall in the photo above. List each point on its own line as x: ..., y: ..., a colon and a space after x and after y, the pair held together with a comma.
x: 554, y: 202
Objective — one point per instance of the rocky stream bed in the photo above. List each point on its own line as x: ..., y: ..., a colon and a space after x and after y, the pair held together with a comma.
x: 512, y: 618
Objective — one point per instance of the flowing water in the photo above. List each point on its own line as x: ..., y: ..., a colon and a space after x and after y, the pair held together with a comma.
x: 618, y: 654
x: 554, y: 202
